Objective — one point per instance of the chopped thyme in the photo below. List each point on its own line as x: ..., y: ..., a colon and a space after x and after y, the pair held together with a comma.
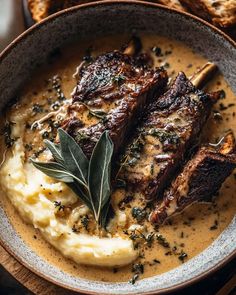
x: 217, y: 116
x: 58, y: 205
x: 162, y: 241
x: 56, y: 85
x: 28, y: 147
x: 40, y: 151
x: 164, y: 136
x: 133, y: 236
x: 138, y: 268
x: 157, y: 51
x: 119, y: 79
x: 222, y: 94
x: 55, y: 106
x: 37, y: 108
x: 88, y: 55
x: 139, y: 214
x: 149, y: 239
x: 125, y: 201
x: 166, y: 65
x: 182, y: 256
x: 137, y: 146
x: 7, y: 133
x: 45, y: 135
x: 120, y: 183
x: 134, y: 279
x: 168, y: 52
x: 222, y: 107
x: 74, y: 229
x: 100, y: 114
x: 214, y: 226
x: 151, y: 168
x: 85, y: 222
x: 81, y: 136
x: 132, y: 162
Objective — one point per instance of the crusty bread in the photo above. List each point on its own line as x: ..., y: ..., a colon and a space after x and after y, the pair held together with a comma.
x: 171, y: 3
x: 220, y: 12
x: 39, y: 9
x: 42, y: 8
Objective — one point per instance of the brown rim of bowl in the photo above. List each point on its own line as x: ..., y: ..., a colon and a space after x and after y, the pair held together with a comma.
x: 29, y: 31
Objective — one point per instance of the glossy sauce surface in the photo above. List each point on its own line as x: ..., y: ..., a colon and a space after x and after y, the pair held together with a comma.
x: 190, y: 232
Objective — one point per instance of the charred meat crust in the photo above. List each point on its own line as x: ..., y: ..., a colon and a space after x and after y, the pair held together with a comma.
x: 171, y: 127
x: 201, y: 178
x: 124, y: 82
x: 110, y: 75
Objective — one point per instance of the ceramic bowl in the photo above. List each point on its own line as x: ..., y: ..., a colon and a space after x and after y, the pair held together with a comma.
x: 32, y: 48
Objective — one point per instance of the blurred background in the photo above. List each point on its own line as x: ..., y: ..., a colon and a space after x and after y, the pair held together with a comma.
x: 11, y: 21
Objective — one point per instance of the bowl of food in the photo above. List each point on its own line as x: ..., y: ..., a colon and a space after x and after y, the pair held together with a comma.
x: 117, y: 157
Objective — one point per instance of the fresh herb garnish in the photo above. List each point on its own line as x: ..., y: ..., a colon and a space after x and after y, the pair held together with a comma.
x: 58, y: 205
x: 120, y: 183
x: 85, y: 222
x: 215, y: 226
x: 162, y: 241
x: 7, y: 133
x: 90, y: 180
x: 182, y: 256
x: 156, y: 50
x: 149, y: 239
x: 119, y: 79
x: 100, y: 114
x: 139, y: 214
x: 138, y: 268
x: 222, y: 94
x: 164, y: 137
x: 37, y: 108
x: 134, y: 279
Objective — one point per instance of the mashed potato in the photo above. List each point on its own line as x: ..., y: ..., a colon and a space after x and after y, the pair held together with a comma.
x: 33, y: 194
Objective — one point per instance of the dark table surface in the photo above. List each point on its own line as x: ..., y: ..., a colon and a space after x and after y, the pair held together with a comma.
x: 215, y: 284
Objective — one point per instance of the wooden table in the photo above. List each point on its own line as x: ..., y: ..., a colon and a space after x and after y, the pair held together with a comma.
x: 28, y: 279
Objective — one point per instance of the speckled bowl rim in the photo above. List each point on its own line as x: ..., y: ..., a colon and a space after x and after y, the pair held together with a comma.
x: 40, y: 273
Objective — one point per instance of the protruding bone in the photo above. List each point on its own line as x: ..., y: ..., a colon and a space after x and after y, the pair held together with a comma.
x: 203, y: 75
x: 134, y: 46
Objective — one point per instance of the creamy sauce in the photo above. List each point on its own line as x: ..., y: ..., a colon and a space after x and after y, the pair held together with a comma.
x: 191, y: 231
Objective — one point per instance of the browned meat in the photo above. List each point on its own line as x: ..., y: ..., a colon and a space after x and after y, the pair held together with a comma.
x: 118, y: 87
x: 170, y: 129
x: 201, y: 178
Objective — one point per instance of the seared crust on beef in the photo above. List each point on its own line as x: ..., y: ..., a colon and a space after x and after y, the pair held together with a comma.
x: 201, y: 178
x: 120, y: 85
x: 171, y: 127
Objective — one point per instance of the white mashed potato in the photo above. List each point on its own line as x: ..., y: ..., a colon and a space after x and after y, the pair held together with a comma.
x: 32, y: 193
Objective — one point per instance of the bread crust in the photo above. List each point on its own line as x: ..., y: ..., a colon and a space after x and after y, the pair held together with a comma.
x: 220, y: 12
x: 39, y: 9
x: 172, y: 4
